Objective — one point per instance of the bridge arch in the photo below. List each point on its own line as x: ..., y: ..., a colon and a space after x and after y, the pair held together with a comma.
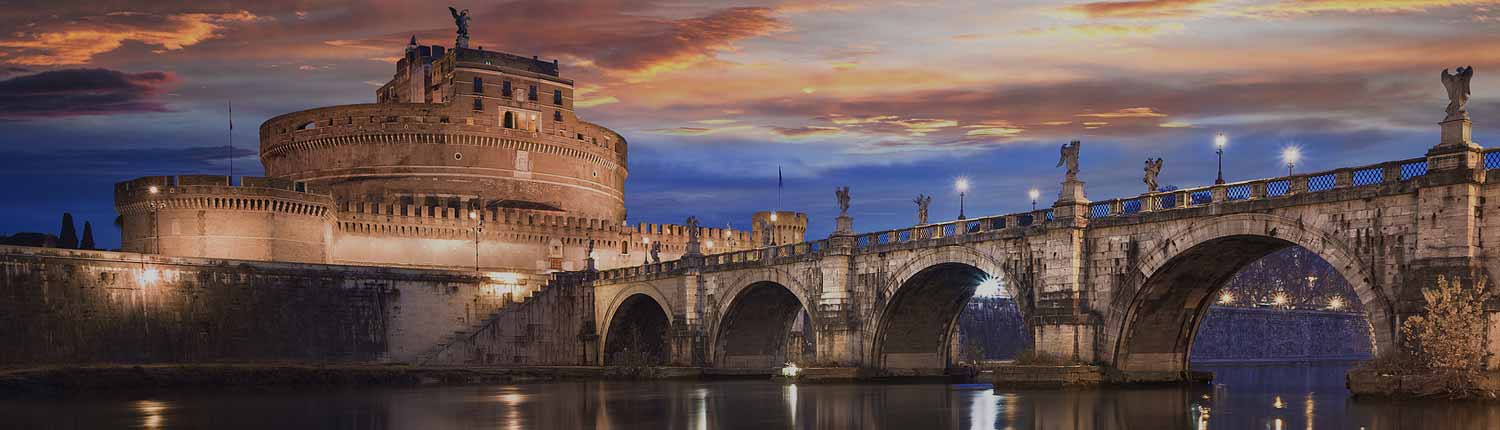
x: 637, y: 328
x: 916, y: 309
x: 755, y: 324
x: 1155, y: 316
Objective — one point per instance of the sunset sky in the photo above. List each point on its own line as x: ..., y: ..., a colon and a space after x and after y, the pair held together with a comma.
x: 891, y: 98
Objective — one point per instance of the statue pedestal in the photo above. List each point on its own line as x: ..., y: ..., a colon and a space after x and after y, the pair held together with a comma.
x: 1071, y: 193
x: 1457, y: 133
x: 461, y: 42
x: 844, y: 225
x: 693, y: 248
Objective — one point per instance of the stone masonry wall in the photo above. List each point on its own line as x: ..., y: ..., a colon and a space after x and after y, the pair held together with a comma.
x: 553, y: 326
x: 63, y: 306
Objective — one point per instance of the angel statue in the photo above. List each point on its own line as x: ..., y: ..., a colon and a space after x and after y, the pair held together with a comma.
x: 767, y: 233
x: 843, y: 194
x: 1069, y: 157
x: 1153, y: 168
x: 1457, y: 85
x: 922, y: 201
x: 656, y: 251
x: 692, y: 228
x: 462, y: 20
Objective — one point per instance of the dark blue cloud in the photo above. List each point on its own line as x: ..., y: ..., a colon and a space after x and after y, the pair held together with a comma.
x: 80, y: 92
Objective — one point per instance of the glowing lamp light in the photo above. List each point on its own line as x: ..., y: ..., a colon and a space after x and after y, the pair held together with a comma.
x: 773, y: 216
x: 989, y: 287
x: 1279, y: 299
x: 1221, y: 140
x: 962, y: 185
x: 1034, y: 193
x: 1226, y: 298
x: 1291, y: 155
x: 505, y: 277
x: 154, y: 189
x: 710, y: 244
x: 150, y: 277
x: 791, y: 370
x: 1336, y: 303
x: 646, y: 240
x: 473, y: 215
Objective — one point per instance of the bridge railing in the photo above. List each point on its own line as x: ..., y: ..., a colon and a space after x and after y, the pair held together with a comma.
x: 1270, y: 188
x: 1256, y: 189
x: 953, y: 228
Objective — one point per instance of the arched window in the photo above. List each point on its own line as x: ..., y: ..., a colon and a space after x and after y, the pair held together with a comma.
x: 510, y: 120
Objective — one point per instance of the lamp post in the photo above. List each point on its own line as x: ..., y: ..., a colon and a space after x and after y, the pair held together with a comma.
x: 1034, y: 193
x: 155, y: 225
x: 962, y: 184
x: 1219, y: 141
x: 1291, y: 155
x: 478, y: 228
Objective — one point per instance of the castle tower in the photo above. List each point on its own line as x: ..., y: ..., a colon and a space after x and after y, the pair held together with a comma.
x: 787, y: 227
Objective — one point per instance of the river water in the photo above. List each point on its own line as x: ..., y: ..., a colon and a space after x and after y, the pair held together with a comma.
x: 1242, y: 397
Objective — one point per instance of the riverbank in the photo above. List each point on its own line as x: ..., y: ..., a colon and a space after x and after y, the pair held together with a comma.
x: 1381, y: 384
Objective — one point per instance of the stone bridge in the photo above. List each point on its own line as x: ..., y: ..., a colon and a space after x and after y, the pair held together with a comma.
x: 1122, y: 282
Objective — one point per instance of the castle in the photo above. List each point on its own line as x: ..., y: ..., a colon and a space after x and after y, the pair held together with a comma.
x: 468, y: 159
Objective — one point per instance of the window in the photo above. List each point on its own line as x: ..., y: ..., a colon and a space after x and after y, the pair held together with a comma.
x: 505, y: 88
x: 478, y: 85
x: 510, y: 120
x: 478, y: 104
x: 557, y: 97
x: 531, y: 95
x: 557, y: 115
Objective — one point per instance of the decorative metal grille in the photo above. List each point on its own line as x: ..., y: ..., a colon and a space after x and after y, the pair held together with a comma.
x: 1024, y: 220
x: 1202, y: 197
x: 1373, y: 175
x: 1099, y: 210
x: 1168, y: 201
x: 1237, y: 192
x: 997, y: 223
x: 1320, y: 183
x: 1131, y: 206
x: 1417, y: 168
x: 1278, y: 188
x: 1492, y: 160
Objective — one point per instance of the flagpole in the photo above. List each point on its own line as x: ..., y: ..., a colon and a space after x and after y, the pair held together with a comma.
x: 231, y: 142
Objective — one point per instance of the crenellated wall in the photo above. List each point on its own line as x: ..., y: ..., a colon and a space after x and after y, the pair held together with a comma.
x: 203, y: 216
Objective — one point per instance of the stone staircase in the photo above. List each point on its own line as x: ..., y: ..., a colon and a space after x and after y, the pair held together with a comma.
x: 458, y: 336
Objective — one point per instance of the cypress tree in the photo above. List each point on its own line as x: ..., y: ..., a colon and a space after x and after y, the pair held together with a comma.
x: 88, y: 237
x: 69, y: 236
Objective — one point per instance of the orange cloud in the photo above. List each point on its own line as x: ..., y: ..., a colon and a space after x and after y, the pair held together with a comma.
x: 1135, y: 112
x: 1300, y: 7
x: 808, y: 131
x: 1104, y: 30
x: 1138, y: 8
x: 78, y: 41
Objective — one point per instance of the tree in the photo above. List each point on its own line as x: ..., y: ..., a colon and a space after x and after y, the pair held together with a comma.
x: 88, y: 237
x: 1448, y: 340
x: 69, y: 236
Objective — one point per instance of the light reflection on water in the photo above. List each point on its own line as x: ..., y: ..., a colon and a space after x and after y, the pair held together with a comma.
x: 1283, y: 397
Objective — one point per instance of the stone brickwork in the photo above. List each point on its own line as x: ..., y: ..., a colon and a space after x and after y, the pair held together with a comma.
x: 1122, y: 282
x: 64, y: 306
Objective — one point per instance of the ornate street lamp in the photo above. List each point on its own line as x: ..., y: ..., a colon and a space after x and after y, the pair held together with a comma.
x: 155, y: 225
x: 1291, y: 155
x: 478, y: 228
x: 962, y: 184
x: 1034, y: 194
x: 1219, y: 142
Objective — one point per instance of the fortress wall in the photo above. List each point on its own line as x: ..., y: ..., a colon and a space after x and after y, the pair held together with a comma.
x: 64, y: 306
x: 379, y: 151
x: 203, y: 216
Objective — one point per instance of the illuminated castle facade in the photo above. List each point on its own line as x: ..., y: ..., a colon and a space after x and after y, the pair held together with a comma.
x: 469, y: 159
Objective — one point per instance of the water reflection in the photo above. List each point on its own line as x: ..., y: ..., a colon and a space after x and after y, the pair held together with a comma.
x: 1244, y: 398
